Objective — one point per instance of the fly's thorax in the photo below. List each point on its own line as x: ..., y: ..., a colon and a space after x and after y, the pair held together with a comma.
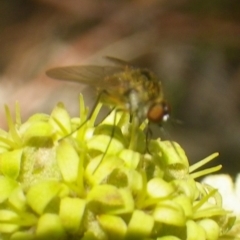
x: 142, y: 82
x: 144, y: 97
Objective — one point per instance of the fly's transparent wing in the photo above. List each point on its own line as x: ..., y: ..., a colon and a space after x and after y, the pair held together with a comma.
x: 91, y: 75
x: 117, y: 61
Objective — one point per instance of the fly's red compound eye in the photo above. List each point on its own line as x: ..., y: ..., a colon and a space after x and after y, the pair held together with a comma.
x: 158, y: 112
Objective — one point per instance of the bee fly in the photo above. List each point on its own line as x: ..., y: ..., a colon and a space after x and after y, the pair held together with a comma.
x: 127, y: 88
x: 135, y: 90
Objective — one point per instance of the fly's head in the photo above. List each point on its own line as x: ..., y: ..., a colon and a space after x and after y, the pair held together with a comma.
x: 158, y: 112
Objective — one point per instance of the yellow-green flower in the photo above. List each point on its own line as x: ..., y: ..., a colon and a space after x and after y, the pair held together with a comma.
x: 68, y: 178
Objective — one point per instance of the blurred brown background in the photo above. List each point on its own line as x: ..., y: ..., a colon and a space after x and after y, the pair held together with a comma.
x: 194, y: 47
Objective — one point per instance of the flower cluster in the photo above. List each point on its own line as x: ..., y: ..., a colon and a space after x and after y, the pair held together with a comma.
x: 69, y: 178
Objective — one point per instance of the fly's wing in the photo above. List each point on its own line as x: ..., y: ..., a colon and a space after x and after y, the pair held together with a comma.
x: 91, y: 75
x: 117, y: 61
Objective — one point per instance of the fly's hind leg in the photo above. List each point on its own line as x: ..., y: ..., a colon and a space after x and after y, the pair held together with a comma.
x: 149, y: 135
x: 111, y: 137
x: 92, y: 116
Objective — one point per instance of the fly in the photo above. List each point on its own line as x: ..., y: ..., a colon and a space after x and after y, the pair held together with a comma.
x: 135, y: 90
